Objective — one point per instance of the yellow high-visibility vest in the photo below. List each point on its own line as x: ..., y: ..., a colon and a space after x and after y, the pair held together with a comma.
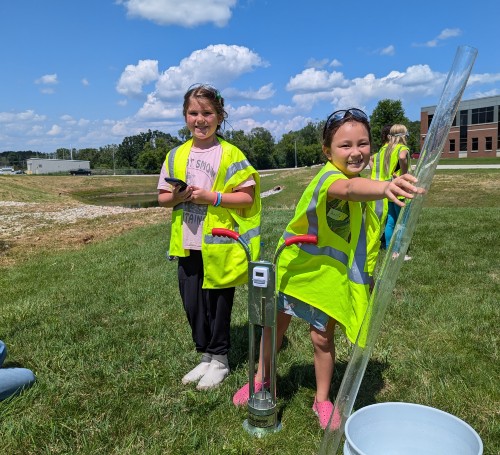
x: 224, y: 260
x: 332, y: 275
x: 381, y: 206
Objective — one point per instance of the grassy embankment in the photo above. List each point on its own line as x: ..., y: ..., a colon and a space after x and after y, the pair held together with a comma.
x: 102, y: 326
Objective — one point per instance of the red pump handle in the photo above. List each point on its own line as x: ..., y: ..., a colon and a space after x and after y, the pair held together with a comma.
x: 303, y: 238
x: 222, y: 232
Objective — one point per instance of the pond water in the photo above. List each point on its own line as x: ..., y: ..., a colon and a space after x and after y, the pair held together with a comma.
x: 131, y: 201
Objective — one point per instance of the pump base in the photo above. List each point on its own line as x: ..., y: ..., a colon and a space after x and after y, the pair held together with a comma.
x: 261, y: 432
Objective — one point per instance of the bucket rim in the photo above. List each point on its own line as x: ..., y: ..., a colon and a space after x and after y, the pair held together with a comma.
x: 367, y: 408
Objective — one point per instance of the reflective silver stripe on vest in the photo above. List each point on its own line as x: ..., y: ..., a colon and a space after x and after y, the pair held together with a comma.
x: 171, y: 159
x: 235, y: 168
x: 315, y: 250
x: 376, y: 165
x: 379, y: 208
x: 356, y: 272
x: 379, y: 204
x: 246, y: 237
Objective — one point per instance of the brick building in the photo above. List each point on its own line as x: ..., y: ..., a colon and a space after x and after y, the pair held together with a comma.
x: 475, y: 131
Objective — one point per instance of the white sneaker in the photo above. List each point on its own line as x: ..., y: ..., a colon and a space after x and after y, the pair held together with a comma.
x: 407, y: 258
x: 199, y: 370
x: 216, y: 373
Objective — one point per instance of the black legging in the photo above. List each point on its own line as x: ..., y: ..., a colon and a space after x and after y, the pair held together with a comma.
x: 208, y: 310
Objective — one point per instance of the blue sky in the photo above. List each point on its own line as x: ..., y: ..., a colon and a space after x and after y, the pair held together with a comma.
x: 88, y: 73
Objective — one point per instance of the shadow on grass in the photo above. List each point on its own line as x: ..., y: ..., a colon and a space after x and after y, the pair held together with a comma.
x: 302, y: 375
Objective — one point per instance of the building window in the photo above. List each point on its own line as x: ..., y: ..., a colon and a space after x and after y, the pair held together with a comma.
x: 452, y: 145
x: 482, y: 115
x: 488, y: 143
x: 429, y: 120
x: 475, y: 144
x: 463, y: 130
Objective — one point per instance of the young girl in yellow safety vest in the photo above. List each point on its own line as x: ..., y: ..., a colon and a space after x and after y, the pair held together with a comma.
x: 223, y: 191
x: 327, y: 284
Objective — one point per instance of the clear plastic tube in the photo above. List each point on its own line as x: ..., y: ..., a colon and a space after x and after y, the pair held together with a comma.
x: 405, y: 226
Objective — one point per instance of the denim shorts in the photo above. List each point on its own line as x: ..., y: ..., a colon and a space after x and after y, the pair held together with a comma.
x: 295, y: 307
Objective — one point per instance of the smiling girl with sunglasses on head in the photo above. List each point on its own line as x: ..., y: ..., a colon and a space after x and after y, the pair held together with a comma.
x: 328, y: 284
x: 212, y: 185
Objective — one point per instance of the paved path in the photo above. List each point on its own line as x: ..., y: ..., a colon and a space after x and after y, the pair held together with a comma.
x: 468, y: 166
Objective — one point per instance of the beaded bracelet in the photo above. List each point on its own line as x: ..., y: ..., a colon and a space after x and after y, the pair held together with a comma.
x: 218, y: 200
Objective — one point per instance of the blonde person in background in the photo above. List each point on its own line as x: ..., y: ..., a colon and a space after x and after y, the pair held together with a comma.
x: 392, y: 160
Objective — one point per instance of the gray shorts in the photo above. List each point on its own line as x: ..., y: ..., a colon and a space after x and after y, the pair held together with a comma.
x: 295, y: 307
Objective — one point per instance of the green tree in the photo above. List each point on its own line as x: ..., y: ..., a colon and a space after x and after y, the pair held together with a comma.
x: 87, y: 154
x: 241, y: 140
x: 152, y: 157
x: 63, y: 154
x: 262, y: 147
x: 184, y: 133
x: 284, y: 151
x: 387, y: 112
x: 107, y: 157
x: 414, y: 139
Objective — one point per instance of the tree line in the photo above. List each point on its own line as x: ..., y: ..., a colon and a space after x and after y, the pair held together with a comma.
x: 146, y: 151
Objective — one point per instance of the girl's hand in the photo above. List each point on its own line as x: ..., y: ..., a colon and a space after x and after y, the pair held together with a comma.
x: 179, y: 196
x: 201, y: 196
x: 402, y: 186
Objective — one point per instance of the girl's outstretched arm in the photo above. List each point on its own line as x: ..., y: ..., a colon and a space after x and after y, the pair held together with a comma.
x: 362, y: 189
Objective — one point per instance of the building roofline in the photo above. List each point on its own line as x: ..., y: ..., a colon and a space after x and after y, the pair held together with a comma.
x: 495, y: 100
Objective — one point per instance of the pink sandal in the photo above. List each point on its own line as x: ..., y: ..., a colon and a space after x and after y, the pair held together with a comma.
x: 324, y: 409
x: 241, y: 397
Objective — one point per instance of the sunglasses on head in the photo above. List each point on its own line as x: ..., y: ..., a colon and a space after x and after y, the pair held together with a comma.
x: 336, y: 116
x: 207, y: 87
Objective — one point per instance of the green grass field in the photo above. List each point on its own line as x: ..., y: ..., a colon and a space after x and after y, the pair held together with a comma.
x: 104, y: 331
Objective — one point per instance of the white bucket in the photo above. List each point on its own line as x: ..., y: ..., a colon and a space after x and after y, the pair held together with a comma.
x: 408, y: 429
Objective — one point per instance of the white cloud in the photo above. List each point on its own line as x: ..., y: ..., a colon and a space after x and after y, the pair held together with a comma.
x: 492, y: 92
x: 68, y: 119
x: 311, y: 80
x: 283, y: 110
x: 154, y: 108
x: 389, y: 50
x: 335, y: 63
x: 85, y: 82
x: 243, y: 111
x: 314, y: 63
x: 134, y: 77
x: 485, y: 78
x: 445, y: 34
x: 186, y: 13
x: 28, y: 116
x: 312, y: 86
x: 217, y: 64
x: 47, y: 79
x: 449, y: 33
x: 55, y: 130
x: 263, y: 93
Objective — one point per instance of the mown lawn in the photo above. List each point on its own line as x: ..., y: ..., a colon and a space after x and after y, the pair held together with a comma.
x: 104, y: 331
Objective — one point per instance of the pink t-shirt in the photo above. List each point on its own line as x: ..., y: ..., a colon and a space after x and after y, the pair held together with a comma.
x: 201, y: 171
